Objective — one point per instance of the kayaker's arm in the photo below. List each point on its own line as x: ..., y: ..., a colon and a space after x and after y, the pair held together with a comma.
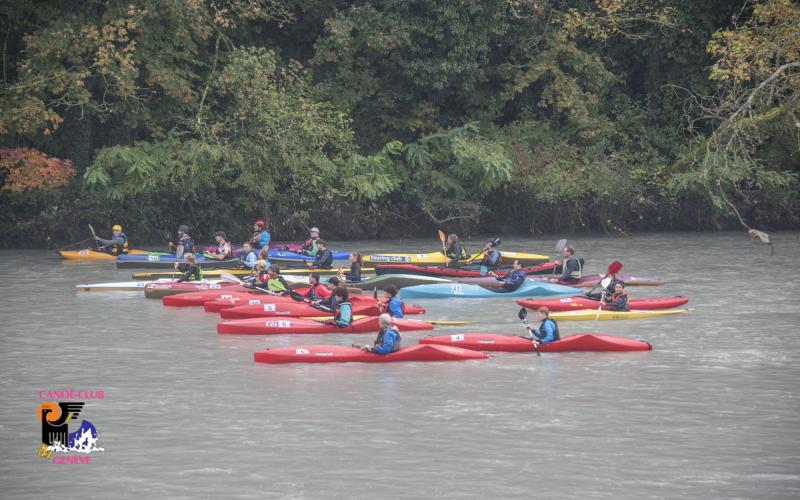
x: 112, y: 242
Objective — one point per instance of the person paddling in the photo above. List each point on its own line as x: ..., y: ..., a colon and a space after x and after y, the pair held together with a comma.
x: 344, y: 311
x: 310, y: 245
x: 513, y: 279
x: 324, y: 258
x: 260, y: 237
x: 273, y: 281
x: 259, y: 277
x: 248, y: 257
x: 388, y: 340
x: 393, y: 305
x: 619, y: 300
x: 190, y: 269
x: 354, y: 275
x: 316, y: 290
x: 548, y: 329
x: 185, y: 244
x: 455, y: 251
x: 332, y: 284
x: 223, y: 250
x: 608, y: 290
x: 491, y: 255
x: 571, y: 267
x: 117, y: 244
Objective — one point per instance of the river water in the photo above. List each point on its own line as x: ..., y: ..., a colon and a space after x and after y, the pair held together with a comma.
x: 711, y: 412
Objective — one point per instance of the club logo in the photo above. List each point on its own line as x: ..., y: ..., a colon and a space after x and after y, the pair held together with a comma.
x: 59, y: 445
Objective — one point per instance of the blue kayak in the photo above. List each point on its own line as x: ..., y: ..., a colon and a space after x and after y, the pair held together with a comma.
x: 285, y: 255
x: 463, y: 290
x: 165, y: 261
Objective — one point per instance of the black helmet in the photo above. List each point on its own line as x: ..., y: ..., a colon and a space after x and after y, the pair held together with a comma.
x: 183, y: 228
x: 220, y: 233
x: 494, y: 242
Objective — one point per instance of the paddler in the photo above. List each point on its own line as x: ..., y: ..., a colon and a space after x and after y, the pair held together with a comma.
x: 491, y: 255
x: 393, y: 305
x: 513, y: 279
x: 548, y: 329
x: 261, y: 237
x: 388, y: 340
x: 248, y: 257
x: 190, y: 269
x: 310, y: 245
x: 332, y: 284
x: 608, y: 290
x: 324, y: 259
x: 619, y: 300
x: 356, y: 262
x: 118, y: 244
x: 344, y: 311
x: 223, y: 250
x: 259, y: 277
x: 455, y: 251
x: 271, y: 280
x: 184, y: 245
x: 571, y: 267
x: 317, y: 292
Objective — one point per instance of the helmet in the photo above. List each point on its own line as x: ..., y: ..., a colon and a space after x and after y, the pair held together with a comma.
x: 220, y: 233
x: 116, y: 227
x: 314, y: 230
x: 495, y: 242
x: 260, y: 223
x: 183, y: 228
x: 262, y: 263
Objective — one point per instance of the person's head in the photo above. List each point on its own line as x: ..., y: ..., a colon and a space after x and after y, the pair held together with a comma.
x: 391, y: 291
x: 619, y: 287
x: 569, y: 251
x: 247, y: 246
x: 543, y: 313
x: 259, y: 225
x: 189, y: 258
x: 219, y: 236
x: 183, y: 229
x: 333, y: 282
x: 261, y: 264
x: 341, y: 293
x: 516, y: 265
x: 313, y: 279
x: 385, y: 320
x: 314, y: 232
x: 322, y: 245
x: 492, y: 243
x: 116, y: 229
x: 453, y: 238
x: 263, y: 253
x: 355, y: 257
x: 274, y: 271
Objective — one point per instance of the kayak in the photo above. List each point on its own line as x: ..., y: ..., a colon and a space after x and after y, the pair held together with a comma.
x: 298, y: 309
x: 439, y: 258
x: 88, y: 254
x: 160, y: 289
x: 261, y: 298
x: 527, y: 289
x: 274, y: 326
x: 512, y: 343
x: 245, y: 272
x: 289, y: 256
x: 342, y: 354
x: 456, y: 272
x: 590, y: 314
x: 583, y: 282
x: 128, y: 286
x: 398, y: 280
x: 573, y: 303
x: 194, y: 299
x: 167, y: 261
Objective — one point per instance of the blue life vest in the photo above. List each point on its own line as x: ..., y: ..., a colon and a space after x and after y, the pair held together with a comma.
x: 344, y: 315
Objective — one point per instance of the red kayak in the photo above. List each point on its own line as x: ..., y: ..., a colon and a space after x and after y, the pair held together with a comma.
x: 193, y: 299
x: 512, y: 343
x: 274, y: 326
x: 159, y: 290
x: 302, y: 309
x: 451, y: 272
x: 257, y: 299
x: 342, y: 354
x: 575, y: 303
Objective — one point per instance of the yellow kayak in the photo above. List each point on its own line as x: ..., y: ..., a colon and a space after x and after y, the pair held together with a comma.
x: 88, y: 254
x: 591, y: 314
x: 434, y: 258
x: 245, y: 272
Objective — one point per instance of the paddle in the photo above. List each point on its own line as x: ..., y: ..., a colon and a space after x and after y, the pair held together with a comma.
x: 429, y: 321
x: 600, y: 307
x: 442, y: 238
x: 613, y: 268
x: 523, y: 315
x: 560, y: 244
x: 294, y: 295
x: 94, y: 238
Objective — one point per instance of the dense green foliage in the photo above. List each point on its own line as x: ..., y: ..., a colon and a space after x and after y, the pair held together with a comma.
x: 392, y: 117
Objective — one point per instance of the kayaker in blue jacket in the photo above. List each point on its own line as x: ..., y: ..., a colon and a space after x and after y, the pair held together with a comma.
x: 393, y: 305
x: 344, y: 311
x: 571, y: 267
x: 513, y: 279
x: 184, y: 245
x: 548, y: 329
x: 190, y: 269
x: 619, y: 300
x: 118, y: 244
x: 248, y: 257
x: 261, y: 237
x: 388, y: 340
x: 324, y: 259
x: 491, y: 255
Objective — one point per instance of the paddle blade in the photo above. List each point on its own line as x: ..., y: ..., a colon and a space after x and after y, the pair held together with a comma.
x: 523, y: 313
x: 560, y: 245
x: 229, y: 278
x: 442, y: 236
x: 614, y: 267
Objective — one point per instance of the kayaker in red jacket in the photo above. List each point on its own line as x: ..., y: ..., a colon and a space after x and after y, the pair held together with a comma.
x: 317, y: 292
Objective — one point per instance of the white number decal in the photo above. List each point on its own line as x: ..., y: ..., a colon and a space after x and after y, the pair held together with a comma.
x: 457, y: 337
x: 565, y: 300
x: 153, y: 258
x: 278, y: 324
x: 221, y: 297
x: 214, y: 286
x: 456, y: 288
x: 254, y: 302
x: 83, y: 252
x: 300, y: 350
x: 269, y: 307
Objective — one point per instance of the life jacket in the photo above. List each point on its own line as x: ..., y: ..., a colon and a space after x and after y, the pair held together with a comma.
x: 324, y: 260
x: 617, y: 296
x: 277, y: 284
x: 344, y: 315
x: 492, y: 258
x: 312, y: 292
x: 556, y: 335
x: 188, y: 244
x: 457, y: 251
x: 575, y: 274
x: 192, y: 272
x: 221, y: 249
x: 396, y: 345
x: 120, y: 249
x: 394, y: 300
x: 243, y: 258
x: 310, y: 245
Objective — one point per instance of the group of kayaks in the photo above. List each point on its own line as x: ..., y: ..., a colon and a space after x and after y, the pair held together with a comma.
x: 244, y: 311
